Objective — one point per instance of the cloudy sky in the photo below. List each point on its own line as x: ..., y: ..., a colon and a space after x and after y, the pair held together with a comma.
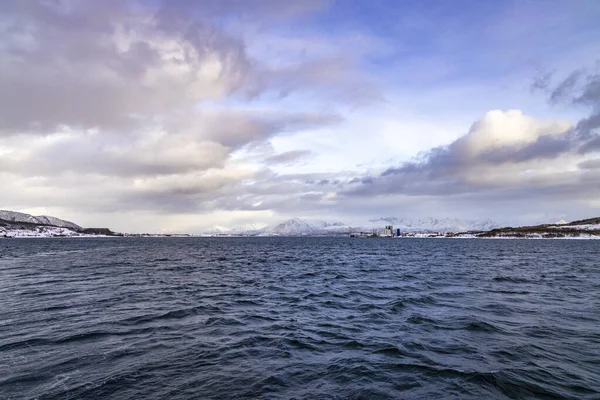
x: 177, y: 116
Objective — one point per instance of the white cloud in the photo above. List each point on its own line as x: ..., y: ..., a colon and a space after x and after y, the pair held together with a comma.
x: 505, y: 153
x: 498, y: 129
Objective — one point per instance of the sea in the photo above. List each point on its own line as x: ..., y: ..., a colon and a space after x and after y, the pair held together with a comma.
x: 299, y: 318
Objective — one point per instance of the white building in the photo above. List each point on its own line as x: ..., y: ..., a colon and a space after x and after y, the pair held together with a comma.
x: 388, y: 231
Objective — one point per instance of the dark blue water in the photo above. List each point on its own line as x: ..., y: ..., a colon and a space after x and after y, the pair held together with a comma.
x: 304, y: 318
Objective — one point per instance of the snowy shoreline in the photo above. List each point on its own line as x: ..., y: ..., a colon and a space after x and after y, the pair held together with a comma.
x: 471, y: 237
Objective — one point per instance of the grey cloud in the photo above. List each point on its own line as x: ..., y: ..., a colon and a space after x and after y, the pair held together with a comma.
x: 135, y: 104
x: 207, y: 143
x: 590, y: 94
x: 231, y: 196
x: 227, y: 199
x: 100, y: 157
x: 109, y: 99
x: 586, y: 126
x: 288, y: 157
x: 237, y: 128
x: 95, y: 64
x: 113, y: 64
x: 592, y: 145
x: 325, y: 182
x: 264, y: 10
x: 492, y: 148
x: 545, y: 147
x: 280, y: 193
x: 263, y: 190
x: 330, y: 77
x: 334, y: 76
x: 564, y: 89
x: 312, y: 196
x: 542, y: 81
x: 274, y: 123
x: 561, y: 187
x: 583, y: 89
x: 454, y: 159
x: 590, y: 164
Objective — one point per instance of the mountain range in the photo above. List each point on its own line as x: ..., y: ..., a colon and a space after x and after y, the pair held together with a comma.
x: 18, y: 224
x: 443, y: 225
x: 310, y: 227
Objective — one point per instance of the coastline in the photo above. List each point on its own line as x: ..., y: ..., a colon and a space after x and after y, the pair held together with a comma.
x: 588, y: 237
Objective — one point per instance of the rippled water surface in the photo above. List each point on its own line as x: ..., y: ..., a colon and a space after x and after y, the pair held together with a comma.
x: 304, y: 318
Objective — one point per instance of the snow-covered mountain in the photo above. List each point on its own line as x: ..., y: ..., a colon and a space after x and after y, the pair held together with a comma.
x: 242, y: 230
x: 248, y: 228
x: 429, y: 224
x: 18, y: 217
x: 291, y: 227
x: 303, y: 227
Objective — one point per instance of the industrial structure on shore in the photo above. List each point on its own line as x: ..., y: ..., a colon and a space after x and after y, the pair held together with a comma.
x: 388, y: 231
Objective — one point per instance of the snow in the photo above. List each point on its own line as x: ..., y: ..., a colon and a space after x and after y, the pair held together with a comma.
x: 57, y: 222
x: 430, y: 224
x: 291, y: 227
x: 248, y: 228
x: 416, y: 228
x: 15, y: 224
x: 303, y: 227
x: 588, y: 227
x: 309, y: 227
x: 14, y: 216
x: 41, y: 232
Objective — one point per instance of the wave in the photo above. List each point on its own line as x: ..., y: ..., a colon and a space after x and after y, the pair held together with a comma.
x: 511, y: 279
x: 403, y: 302
x: 383, y: 319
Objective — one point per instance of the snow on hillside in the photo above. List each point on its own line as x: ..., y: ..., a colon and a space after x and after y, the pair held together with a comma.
x: 57, y: 222
x: 308, y: 227
x: 429, y: 224
x: 14, y: 216
x: 587, y: 227
x: 243, y: 230
x: 302, y: 227
x: 17, y: 224
x: 45, y: 231
x: 247, y: 228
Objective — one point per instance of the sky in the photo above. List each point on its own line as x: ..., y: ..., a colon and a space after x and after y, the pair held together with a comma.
x: 182, y: 116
